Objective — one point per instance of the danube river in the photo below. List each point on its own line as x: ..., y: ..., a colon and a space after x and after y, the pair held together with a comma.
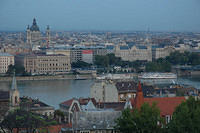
x: 54, y: 92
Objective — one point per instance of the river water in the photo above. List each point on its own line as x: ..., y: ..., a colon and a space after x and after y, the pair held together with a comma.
x: 52, y: 92
x: 57, y: 91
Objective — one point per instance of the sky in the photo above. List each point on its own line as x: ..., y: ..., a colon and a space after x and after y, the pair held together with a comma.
x: 105, y: 15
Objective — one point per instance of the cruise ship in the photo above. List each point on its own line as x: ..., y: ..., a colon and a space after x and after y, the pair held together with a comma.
x: 157, y: 76
x: 114, y: 76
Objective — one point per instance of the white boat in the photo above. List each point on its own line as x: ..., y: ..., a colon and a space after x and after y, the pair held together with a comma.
x: 114, y: 76
x: 157, y: 76
x: 79, y: 78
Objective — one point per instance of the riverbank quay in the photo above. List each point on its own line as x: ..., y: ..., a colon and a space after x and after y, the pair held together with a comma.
x: 49, y: 77
x: 186, y: 70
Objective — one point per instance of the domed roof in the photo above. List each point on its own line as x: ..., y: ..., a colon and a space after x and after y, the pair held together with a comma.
x: 34, y: 27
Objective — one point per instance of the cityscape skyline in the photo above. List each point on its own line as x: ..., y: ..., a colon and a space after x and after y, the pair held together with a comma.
x: 109, y: 15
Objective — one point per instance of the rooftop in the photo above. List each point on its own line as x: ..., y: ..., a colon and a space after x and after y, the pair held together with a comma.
x: 4, y: 95
x: 5, y: 54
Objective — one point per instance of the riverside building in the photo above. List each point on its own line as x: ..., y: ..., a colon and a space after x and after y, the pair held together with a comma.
x: 5, y: 60
x: 143, y: 53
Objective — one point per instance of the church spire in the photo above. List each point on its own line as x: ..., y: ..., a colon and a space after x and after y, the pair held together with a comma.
x: 139, y: 97
x: 14, y: 82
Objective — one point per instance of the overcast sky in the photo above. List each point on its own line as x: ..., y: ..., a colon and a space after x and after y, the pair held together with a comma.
x: 124, y: 15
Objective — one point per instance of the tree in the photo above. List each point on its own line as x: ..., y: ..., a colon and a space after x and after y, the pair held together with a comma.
x: 81, y: 64
x: 160, y: 65
x: 59, y: 115
x: 18, y: 68
x: 185, y: 119
x: 102, y: 61
x: 22, y: 119
x: 143, y: 120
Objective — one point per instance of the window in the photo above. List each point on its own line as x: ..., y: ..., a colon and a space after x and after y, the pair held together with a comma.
x: 167, y: 118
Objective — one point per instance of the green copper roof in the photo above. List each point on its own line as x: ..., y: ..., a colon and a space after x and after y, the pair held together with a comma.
x: 34, y: 27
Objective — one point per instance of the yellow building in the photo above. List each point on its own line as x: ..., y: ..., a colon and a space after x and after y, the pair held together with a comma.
x: 47, y: 64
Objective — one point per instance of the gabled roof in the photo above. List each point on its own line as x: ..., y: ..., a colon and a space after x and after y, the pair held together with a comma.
x: 82, y: 101
x: 68, y: 102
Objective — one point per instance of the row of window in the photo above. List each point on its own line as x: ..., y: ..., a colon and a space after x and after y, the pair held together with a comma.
x: 56, y: 64
x: 49, y: 69
x: 41, y: 60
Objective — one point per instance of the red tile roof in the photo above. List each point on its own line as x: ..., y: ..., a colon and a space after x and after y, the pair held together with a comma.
x: 54, y: 129
x: 167, y: 105
x: 68, y: 102
x: 49, y: 129
x: 68, y: 125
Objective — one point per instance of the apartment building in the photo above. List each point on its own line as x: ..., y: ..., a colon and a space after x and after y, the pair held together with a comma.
x: 5, y: 60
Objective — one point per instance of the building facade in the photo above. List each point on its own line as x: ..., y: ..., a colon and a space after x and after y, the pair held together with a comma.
x: 33, y: 34
x: 47, y: 64
x: 104, y: 91
x: 87, y: 56
x: 161, y: 52
x: 142, y: 53
x: 5, y: 60
x: 75, y: 55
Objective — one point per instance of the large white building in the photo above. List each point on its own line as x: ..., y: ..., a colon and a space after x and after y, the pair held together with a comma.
x: 143, y: 53
x: 47, y: 64
x: 5, y: 60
